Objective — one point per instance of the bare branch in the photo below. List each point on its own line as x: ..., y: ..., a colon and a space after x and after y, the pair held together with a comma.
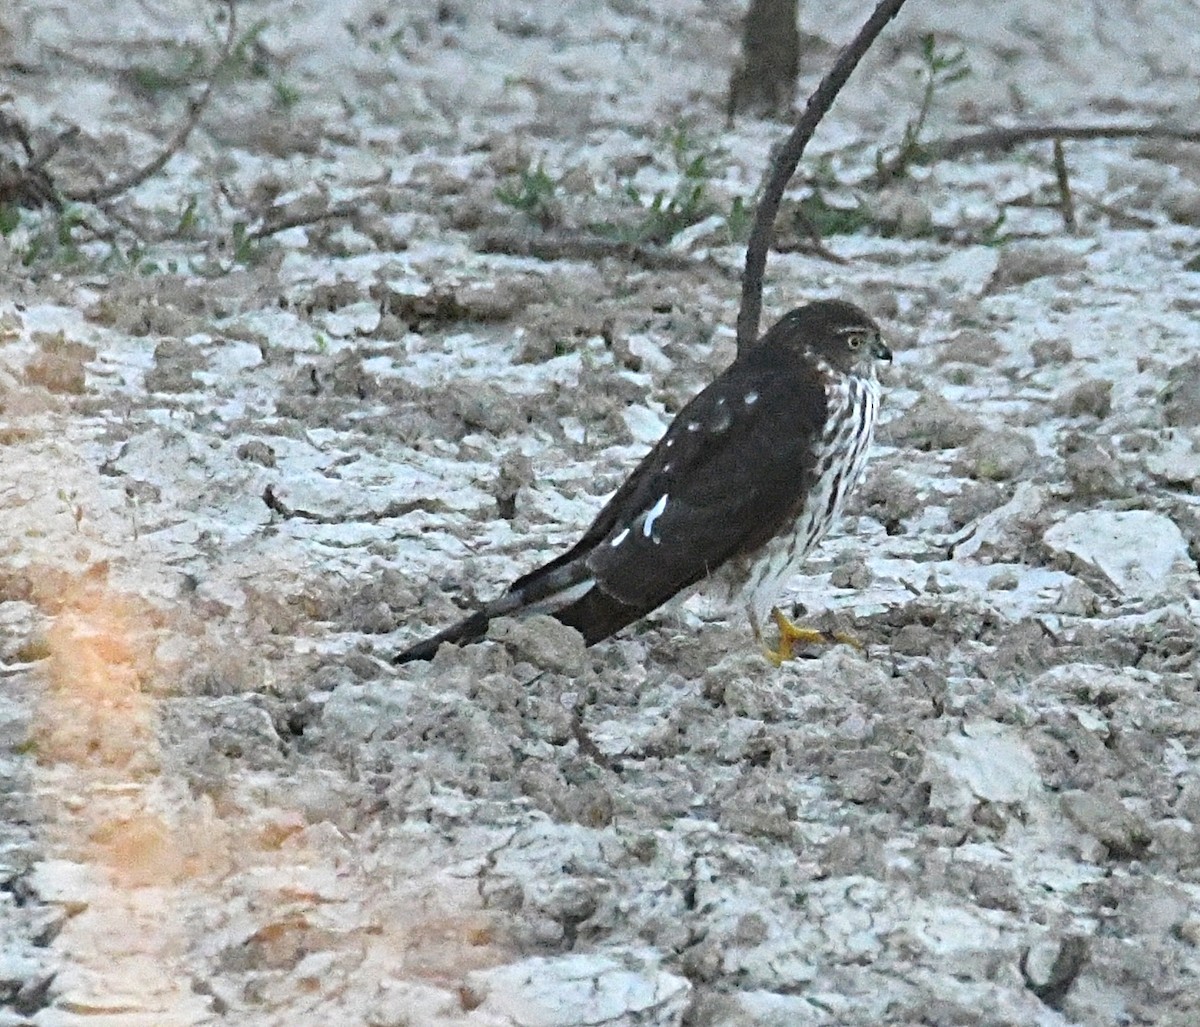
x: 97, y: 194
x: 283, y: 222
x: 816, y: 245
x: 1003, y: 139
x: 788, y: 158
x: 38, y: 161
x: 26, y: 183
x: 581, y: 246
x: 1066, y: 202
x: 393, y: 509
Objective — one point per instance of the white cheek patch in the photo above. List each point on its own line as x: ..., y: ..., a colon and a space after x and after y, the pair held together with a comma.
x: 653, y: 514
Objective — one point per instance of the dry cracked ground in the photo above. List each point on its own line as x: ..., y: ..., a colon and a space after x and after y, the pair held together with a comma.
x: 239, y: 467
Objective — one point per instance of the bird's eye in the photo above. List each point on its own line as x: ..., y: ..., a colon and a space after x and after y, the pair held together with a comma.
x: 854, y: 341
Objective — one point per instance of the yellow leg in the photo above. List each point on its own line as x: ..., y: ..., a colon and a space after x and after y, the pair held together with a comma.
x: 791, y: 635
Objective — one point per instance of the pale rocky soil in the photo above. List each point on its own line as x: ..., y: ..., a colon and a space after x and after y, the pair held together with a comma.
x: 221, y: 804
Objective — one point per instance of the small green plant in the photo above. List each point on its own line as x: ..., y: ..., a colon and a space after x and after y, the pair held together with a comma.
x: 68, y: 220
x: 286, y: 96
x: 994, y: 234
x: 189, y: 220
x: 244, y: 248
x: 824, y: 174
x: 688, y: 155
x: 53, y: 238
x: 738, y: 221
x: 180, y: 65
x: 10, y: 218
x: 532, y: 193
x: 249, y: 57
x: 817, y: 214
x: 940, y: 68
x: 669, y: 214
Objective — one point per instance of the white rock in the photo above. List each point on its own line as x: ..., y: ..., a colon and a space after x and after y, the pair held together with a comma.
x: 352, y: 320
x: 644, y: 424
x: 992, y: 534
x: 416, y: 1002
x: 968, y: 270
x: 1136, y: 550
x: 356, y: 711
x: 579, y: 989
x: 1178, y: 461
x: 73, y: 885
x: 712, y: 228
x: 987, y: 762
x: 649, y: 350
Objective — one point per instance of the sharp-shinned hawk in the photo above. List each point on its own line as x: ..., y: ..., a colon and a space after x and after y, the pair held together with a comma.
x: 746, y: 481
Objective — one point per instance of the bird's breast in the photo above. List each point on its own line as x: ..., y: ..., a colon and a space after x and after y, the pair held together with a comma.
x: 840, y: 456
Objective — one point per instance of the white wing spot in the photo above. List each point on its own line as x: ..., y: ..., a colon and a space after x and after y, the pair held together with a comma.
x: 617, y: 540
x: 670, y: 443
x: 693, y: 425
x: 653, y: 514
x: 751, y: 398
x: 667, y: 468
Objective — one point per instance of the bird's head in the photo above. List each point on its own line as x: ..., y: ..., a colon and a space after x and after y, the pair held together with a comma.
x: 838, y: 333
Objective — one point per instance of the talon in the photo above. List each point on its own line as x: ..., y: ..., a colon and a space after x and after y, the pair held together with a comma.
x: 791, y: 634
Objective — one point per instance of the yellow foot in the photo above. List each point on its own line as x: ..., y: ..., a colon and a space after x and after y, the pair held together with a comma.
x: 791, y: 635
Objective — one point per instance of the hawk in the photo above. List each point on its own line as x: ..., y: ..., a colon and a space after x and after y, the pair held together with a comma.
x: 746, y: 481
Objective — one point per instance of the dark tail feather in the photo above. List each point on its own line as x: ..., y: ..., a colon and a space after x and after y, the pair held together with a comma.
x: 536, y: 592
x: 596, y: 615
x: 469, y: 629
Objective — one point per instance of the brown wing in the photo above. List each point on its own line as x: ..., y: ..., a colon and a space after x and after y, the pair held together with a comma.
x: 730, y: 473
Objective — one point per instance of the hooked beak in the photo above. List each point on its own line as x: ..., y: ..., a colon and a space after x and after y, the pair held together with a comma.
x: 880, y: 350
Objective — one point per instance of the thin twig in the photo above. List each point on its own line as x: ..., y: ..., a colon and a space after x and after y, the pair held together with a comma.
x: 1066, y: 202
x: 816, y: 245
x: 13, y: 127
x: 1120, y: 218
x: 1008, y: 138
x: 140, y: 232
x: 392, y: 510
x: 65, y: 136
x: 339, y: 210
x: 98, y: 193
x: 569, y: 246
x: 788, y: 158
x: 815, y: 248
x: 28, y: 184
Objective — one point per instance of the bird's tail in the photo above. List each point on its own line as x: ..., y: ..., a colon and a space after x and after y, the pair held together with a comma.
x: 469, y: 629
x: 544, y: 591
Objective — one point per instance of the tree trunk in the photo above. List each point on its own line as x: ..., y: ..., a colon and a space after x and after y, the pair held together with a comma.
x: 764, y: 81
